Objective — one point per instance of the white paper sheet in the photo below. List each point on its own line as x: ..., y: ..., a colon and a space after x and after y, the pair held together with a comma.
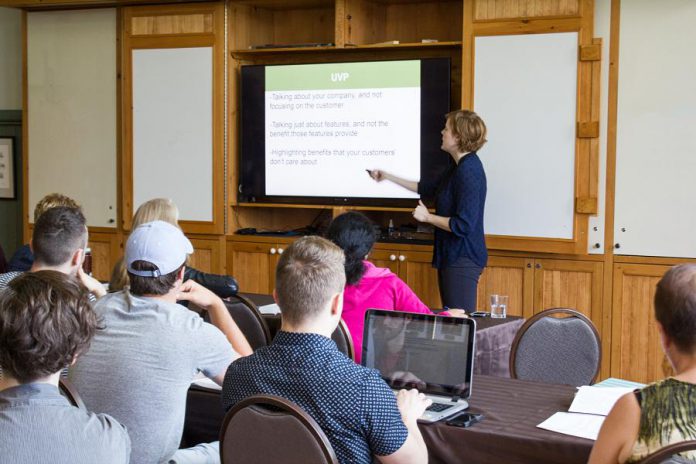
x: 205, y: 382
x: 269, y: 309
x: 577, y: 425
x: 597, y: 400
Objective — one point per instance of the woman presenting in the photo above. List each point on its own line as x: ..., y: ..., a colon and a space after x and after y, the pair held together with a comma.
x: 460, y: 251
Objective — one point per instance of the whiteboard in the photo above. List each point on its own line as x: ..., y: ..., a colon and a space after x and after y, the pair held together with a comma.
x: 71, y: 78
x: 655, y: 143
x: 173, y: 129
x: 525, y: 89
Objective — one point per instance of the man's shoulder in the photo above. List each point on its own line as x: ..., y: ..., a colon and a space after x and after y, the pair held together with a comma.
x: 8, y: 277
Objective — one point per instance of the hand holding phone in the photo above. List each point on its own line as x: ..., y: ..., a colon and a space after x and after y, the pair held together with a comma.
x: 465, y: 419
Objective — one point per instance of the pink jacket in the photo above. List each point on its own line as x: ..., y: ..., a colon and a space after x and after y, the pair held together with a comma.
x: 379, y: 288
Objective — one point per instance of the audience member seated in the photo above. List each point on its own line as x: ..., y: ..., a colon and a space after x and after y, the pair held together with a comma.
x: 139, y: 368
x: 368, y: 286
x: 58, y: 242
x: 23, y: 258
x: 664, y: 412
x: 164, y: 209
x: 46, y: 321
x: 355, y: 408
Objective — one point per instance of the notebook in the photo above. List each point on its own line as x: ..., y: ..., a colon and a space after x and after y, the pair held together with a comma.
x: 434, y: 354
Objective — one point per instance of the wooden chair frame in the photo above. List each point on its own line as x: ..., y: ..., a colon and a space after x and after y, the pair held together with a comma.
x: 288, y: 407
x: 69, y: 391
x: 668, y: 451
x: 541, y: 315
x: 344, y: 332
x: 255, y: 311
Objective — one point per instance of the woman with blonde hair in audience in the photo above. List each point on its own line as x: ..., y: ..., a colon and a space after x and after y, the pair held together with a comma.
x: 164, y: 209
x: 664, y: 412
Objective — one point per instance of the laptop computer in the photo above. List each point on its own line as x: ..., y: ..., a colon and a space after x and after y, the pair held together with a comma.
x: 434, y: 354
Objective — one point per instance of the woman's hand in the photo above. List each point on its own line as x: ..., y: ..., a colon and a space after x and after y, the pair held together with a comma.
x: 378, y: 175
x: 421, y: 213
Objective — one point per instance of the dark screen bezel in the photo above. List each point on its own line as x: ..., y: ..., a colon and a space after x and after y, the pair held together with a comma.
x: 435, y: 103
x: 435, y: 389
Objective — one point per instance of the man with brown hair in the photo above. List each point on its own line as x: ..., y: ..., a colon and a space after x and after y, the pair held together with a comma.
x: 355, y: 408
x: 23, y: 258
x: 139, y: 368
x: 59, y: 241
x: 45, y: 323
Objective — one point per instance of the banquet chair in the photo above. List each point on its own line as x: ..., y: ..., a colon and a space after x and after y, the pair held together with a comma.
x: 561, y: 350
x: 666, y: 455
x: 267, y: 429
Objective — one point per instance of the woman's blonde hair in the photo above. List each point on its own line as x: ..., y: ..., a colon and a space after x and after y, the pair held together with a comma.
x: 470, y: 129
x: 157, y: 209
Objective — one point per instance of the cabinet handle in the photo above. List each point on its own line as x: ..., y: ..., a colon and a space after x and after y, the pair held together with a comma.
x: 402, y: 258
x: 273, y: 251
x: 392, y: 257
x: 538, y: 266
x: 529, y: 265
x: 280, y: 251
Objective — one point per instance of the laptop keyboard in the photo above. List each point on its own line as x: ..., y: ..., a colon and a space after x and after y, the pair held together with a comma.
x: 439, y: 407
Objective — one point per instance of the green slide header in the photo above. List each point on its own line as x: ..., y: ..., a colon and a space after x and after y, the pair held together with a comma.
x: 327, y: 76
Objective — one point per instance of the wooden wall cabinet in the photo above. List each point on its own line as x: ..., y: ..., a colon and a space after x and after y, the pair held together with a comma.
x: 207, y: 254
x: 636, y: 353
x: 253, y: 263
x: 107, y: 249
x: 413, y: 265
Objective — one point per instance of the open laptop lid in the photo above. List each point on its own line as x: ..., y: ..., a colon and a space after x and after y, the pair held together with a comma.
x: 434, y: 354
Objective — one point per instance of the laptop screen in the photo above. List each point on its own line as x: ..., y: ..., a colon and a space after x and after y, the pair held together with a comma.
x: 434, y: 354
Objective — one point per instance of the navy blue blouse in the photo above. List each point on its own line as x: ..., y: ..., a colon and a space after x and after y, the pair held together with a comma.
x: 461, y: 196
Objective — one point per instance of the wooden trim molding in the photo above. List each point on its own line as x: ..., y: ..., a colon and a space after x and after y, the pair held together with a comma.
x: 175, y: 26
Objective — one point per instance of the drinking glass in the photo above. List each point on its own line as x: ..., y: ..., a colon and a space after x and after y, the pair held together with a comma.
x: 499, y: 310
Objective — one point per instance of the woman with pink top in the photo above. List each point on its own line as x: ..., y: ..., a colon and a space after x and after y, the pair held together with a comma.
x: 367, y: 286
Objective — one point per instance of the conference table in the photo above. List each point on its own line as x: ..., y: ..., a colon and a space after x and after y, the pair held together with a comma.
x: 493, y: 338
x: 507, y: 433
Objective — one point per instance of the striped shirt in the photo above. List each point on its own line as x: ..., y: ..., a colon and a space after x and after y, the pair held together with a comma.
x: 38, y: 425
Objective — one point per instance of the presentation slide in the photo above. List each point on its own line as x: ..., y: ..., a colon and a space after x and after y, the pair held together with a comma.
x: 326, y: 124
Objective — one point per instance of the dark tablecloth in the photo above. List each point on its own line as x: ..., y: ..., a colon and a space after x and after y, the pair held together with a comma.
x: 507, y: 433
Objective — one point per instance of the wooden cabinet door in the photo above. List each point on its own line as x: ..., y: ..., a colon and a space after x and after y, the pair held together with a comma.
x: 635, y: 352
x: 569, y: 284
x: 207, y: 255
x: 106, y: 250
x: 513, y: 277
x: 253, y: 265
x: 415, y: 268
x: 385, y: 258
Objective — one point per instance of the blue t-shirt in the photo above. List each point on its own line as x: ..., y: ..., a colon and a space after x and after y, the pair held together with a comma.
x: 352, y: 404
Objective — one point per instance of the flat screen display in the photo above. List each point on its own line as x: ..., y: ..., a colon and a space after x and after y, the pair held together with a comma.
x: 434, y: 354
x: 310, y: 132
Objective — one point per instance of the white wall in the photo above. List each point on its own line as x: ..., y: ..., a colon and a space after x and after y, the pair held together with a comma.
x: 10, y: 59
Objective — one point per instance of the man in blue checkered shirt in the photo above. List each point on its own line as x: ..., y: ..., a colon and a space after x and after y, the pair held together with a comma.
x: 355, y: 408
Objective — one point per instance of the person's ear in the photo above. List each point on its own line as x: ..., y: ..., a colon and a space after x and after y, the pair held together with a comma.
x: 337, y: 304
x: 665, y: 339
x: 275, y: 296
x: 77, y: 257
x: 31, y: 245
x: 180, y: 275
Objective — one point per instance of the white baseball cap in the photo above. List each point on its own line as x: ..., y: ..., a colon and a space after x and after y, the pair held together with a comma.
x: 160, y: 244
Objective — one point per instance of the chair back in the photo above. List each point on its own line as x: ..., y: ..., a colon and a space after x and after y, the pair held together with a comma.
x: 69, y: 391
x: 247, y: 316
x: 666, y: 454
x: 3, y: 261
x: 267, y: 429
x: 343, y: 340
x: 560, y: 350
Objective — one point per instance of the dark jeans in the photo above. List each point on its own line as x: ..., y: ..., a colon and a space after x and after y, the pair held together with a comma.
x: 458, y: 283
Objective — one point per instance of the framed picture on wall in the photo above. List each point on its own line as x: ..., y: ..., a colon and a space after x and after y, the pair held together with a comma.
x: 7, y: 171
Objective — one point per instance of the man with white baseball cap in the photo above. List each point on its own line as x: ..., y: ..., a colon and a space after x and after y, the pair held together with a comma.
x: 139, y: 367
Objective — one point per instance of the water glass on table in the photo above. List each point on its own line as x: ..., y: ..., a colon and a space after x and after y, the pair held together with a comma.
x: 499, y: 306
